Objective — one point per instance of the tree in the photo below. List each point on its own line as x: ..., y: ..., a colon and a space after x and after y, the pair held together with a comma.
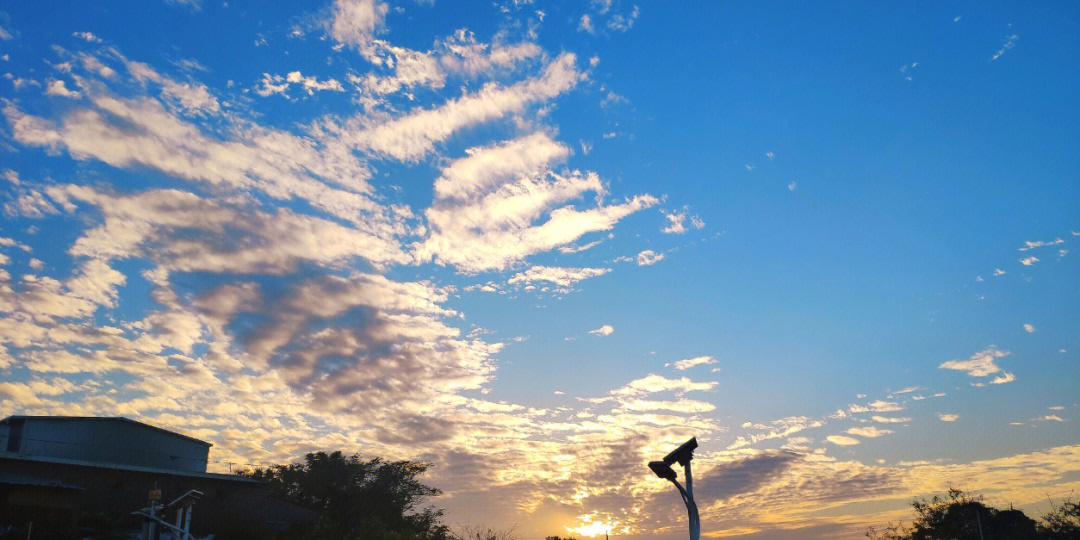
x: 1062, y: 522
x: 960, y: 517
x: 483, y: 532
x: 357, y: 499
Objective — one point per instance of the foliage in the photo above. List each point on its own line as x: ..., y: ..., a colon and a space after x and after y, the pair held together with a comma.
x: 480, y: 532
x: 1062, y: 522
x: 358, y: 499
x: 959, y: 517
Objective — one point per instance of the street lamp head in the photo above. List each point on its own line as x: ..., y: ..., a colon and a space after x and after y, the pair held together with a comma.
x: 683, y: 454
x: 663, y: 470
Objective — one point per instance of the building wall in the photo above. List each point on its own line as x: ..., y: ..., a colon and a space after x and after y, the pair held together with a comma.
x: 104, y: 440
x: 231, y: 507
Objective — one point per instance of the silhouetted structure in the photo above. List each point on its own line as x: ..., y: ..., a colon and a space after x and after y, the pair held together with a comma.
x: 56, y: 469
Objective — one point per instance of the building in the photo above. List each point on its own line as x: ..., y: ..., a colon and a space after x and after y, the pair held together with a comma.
x: 61, y: 472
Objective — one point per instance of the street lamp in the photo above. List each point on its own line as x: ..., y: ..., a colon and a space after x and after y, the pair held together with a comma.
x: 683, y: 455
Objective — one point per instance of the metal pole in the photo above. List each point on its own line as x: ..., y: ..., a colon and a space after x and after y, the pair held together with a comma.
x: 187, y: 522
x: 691, y: 506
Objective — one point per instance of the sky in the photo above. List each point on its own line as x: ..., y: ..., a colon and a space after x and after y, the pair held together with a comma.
x: 539, y: 245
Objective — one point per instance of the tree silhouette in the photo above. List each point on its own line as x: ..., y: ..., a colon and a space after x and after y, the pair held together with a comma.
x: 358, y: 499
x: 1062, y: 522
x: 959, y: 517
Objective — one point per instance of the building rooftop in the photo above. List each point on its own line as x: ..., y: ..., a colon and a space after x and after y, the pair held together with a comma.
x: 7, y: 420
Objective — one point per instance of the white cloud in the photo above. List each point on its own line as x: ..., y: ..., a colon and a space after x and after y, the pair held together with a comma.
x: 139, y: 131
x: 579, y: 249
x: 649, y: 257
x: 999, y: 272
x: 980, y: 364
x: 410, y: 137
x: 948, y: 417
x: 622, y: 23
x: 489, y: 206
x: 87, y: 36
x: 486, y: 167
x: 876, y: 406
x: 355, y: 22
x: 192, y: 97
x: 30, y: 203
x: 410, y: 69
x: 464, y: 54
x: 868, y: 432
x: 676, y: 224
x: 56, y: 87
x: 562, y: 276
x: 890, y: 419
x: 585, y: 24
x: 1005, y: 377
x: 1028, y: 261
x: 605, y: 330
x: 842, y: 440
x: 1029, y: 328
x: 1032, y: 244
x: 688, y: 363
x: 884, y: 406
x: 276, y: 84
x: 652, y: 384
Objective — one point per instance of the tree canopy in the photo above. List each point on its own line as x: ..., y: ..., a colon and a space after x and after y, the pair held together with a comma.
x: 358, y: 499
x: 960, y: 517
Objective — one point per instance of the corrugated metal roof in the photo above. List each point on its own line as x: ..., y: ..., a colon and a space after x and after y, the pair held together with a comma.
x: 105, y: 419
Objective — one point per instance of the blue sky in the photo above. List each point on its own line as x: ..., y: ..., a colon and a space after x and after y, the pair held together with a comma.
x: 538, y: 245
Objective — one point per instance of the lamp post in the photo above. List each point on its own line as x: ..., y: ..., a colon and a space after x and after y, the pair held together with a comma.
x: 683, y: 455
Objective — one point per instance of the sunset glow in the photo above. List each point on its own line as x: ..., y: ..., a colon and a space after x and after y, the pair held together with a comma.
x: 538, y: 245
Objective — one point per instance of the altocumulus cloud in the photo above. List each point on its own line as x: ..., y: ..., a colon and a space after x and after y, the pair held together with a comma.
x: 289, y: 305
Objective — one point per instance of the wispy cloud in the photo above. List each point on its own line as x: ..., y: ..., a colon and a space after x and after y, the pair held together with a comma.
x: 1032, y: 244
x: 1010, y: 42
x: 868, y: 432
x: 585, y: 24
x: 890, y: 419
x: 276, y: 84
x: 683, y: 365
x: 558, y: 275
x: 876, y: 406
x: 87, y: 36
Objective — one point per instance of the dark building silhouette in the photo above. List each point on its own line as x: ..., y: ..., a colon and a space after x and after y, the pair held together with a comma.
x: 55, y: 470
